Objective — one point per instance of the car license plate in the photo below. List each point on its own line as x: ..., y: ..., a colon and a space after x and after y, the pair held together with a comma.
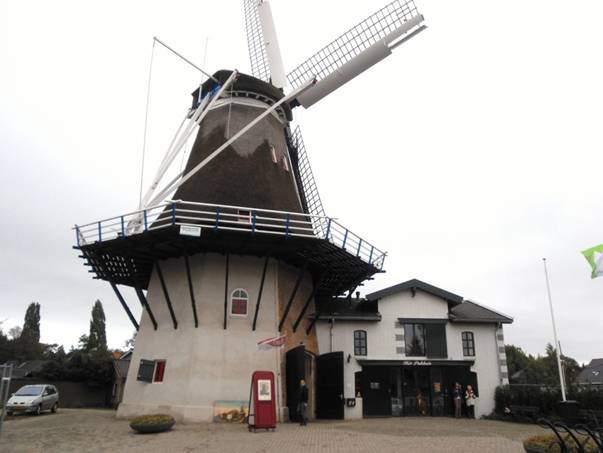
x: 22, y: 408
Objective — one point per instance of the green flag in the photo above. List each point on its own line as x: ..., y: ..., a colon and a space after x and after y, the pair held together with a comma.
x: 594, y: 256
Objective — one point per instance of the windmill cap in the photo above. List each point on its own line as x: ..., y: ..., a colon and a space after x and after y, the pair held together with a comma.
x: 246, y: 83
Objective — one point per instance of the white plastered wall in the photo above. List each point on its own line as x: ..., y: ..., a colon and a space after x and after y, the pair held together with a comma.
x: 207, y: 363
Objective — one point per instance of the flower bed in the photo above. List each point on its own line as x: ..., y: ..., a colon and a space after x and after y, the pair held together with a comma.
x: 548, y: 443
x: 155, y: 423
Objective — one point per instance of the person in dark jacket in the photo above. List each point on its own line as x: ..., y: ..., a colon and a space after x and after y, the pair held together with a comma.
x: 302, y: 405
x: 457, y: 398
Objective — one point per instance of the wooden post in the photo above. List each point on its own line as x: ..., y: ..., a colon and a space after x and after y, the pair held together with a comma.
x: 257, y: 305
x: 300, y: 277
x: 190, y: 288
x: 165, y: 293
x: 226, y: 292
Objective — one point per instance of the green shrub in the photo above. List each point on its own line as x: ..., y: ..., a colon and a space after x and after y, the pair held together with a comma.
x: 546, y: 398
x: 548, y: 443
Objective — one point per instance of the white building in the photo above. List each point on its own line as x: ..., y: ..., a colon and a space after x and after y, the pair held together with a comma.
x: 400, y: 351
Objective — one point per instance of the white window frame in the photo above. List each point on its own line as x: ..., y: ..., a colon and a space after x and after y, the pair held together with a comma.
x: 232, y: 296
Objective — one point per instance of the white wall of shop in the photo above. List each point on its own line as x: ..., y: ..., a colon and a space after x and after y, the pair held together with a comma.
x: 385, y: 341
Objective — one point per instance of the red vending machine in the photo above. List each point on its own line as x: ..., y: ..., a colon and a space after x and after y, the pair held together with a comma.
x: 262, y: 401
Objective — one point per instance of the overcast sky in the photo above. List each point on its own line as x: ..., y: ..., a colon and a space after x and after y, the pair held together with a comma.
x: 469, y: 154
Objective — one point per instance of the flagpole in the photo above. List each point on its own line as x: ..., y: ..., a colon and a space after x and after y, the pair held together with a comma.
x: 557, y: 349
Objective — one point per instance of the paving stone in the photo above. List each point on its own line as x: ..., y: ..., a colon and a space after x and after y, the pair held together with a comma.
x: 73, y: 430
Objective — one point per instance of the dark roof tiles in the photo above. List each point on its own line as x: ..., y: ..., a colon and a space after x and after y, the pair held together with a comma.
x: 416, y: 284
x: 470, y: 311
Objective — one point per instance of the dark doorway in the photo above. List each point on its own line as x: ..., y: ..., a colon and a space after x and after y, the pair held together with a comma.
x: 438, y: 393
x: 417, y: 395
x: 376, y: 391
x: 451, y: 375
x: 329, y: 386
x: 296, y: 370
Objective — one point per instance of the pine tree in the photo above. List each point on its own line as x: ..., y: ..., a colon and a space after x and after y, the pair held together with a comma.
x: 31, y: 324
x: 97, y: 339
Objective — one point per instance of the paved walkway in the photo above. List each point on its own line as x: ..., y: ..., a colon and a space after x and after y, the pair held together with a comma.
x: 82, y: 430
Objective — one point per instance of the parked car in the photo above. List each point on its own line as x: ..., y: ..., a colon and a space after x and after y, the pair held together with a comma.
x: 33, y: 399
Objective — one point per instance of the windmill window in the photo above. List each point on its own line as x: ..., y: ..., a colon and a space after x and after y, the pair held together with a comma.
x: 273, y: 154
x: 159, y: 371
x: 285, y: 164
x: 238, y: 302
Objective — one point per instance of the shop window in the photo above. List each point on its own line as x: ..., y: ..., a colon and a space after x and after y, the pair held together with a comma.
x: 414, y: 340
x: 360, y: 342
x: 468, y: 344
x: 435, y: 341
x: 425, y: 339
x: 238, y: 302
x: 159, y: 370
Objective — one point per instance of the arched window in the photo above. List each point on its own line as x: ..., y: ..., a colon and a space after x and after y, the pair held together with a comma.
x: 360, y: 346
x: 238, y: 302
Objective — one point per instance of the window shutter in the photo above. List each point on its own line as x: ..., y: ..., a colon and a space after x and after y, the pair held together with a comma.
x: 145, y: 370
x: 436, y: 340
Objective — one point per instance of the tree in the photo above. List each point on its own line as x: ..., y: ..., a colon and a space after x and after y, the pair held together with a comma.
x: 31, y: 325
x: 97, y: 339
x: 82, y: 343
x: 129, y: 344
x: 14, y: 332
x: 517, y: 361
x: 27, y: 345
x: 527, y: 369
x: 5, y: 346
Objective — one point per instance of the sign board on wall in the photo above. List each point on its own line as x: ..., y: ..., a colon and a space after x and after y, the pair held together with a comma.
x: 190, y: 230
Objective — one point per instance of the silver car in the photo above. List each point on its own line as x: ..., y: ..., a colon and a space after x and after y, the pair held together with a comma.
x: 33, y: 399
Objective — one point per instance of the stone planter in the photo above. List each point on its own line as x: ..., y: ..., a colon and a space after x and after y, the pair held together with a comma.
x: 148, y: 424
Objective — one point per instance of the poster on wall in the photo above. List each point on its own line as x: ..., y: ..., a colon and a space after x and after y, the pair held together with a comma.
x: 264, y: 390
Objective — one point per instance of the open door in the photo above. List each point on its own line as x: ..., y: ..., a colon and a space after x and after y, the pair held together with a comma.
x: 329, y: 386
x: 296, y: 370
x: 376, y: 392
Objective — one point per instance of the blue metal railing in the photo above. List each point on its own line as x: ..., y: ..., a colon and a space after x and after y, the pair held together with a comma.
x: 235, y: 218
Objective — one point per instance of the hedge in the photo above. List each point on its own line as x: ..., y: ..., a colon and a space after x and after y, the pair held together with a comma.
x: 546, y: 398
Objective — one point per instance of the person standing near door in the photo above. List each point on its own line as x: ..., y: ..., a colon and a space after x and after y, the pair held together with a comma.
x: 470, y: 401
x: 457, y: 398
x: 302, y: 405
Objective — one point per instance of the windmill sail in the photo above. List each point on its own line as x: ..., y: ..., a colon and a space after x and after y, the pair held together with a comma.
x: 357, y: 50
x: 255, y: 41
x: 310, y: 195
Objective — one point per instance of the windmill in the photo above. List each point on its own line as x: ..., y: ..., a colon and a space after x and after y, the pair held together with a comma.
x: 236, y: 248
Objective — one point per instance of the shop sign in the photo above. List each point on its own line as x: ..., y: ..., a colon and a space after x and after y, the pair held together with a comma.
x: 416, y: 363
